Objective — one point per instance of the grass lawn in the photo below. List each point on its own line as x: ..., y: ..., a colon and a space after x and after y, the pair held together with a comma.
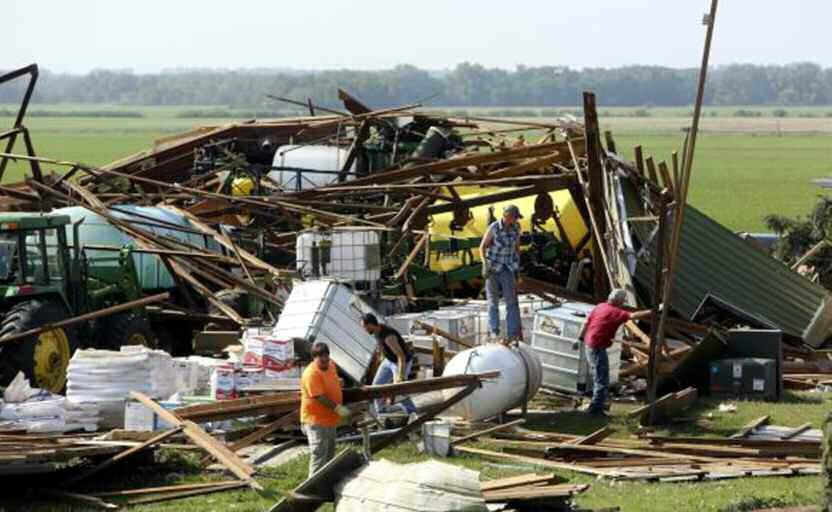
x: 704, y: 420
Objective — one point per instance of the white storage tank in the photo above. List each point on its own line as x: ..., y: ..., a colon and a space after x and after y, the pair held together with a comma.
x: 346, y: 255
x: 295, y: 166
x: 520, y: 376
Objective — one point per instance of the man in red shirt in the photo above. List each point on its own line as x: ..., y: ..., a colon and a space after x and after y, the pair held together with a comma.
x: 597, y: 333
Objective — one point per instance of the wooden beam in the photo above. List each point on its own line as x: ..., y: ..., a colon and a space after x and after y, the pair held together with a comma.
x: 219, y: 487
x: 225, y: 456
x: 133, y: 304
x: 123, y: 455
x: 752, y: 426
x: 432, y: 329
x: 497, y: 428
x: 595, y: 437
x: 596, y: 195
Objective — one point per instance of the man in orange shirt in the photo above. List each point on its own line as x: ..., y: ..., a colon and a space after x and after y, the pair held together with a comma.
x: 320, y: 406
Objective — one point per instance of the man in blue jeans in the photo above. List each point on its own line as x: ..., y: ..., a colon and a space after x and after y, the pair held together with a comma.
x: 597, y: 333
x: 396, y: 361
x: 500, y: 255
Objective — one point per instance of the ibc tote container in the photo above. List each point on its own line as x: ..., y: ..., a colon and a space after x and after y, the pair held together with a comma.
x: 562, y: 354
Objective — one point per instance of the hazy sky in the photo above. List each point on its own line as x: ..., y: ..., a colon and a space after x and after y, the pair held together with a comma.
x: 150, y: 35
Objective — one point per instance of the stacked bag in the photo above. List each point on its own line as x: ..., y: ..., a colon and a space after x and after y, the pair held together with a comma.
x: 106, y: 378
x: 39, y: 411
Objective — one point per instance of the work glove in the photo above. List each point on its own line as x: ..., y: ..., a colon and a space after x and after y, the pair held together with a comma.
x: 343, y: 414
x: 486, y: 269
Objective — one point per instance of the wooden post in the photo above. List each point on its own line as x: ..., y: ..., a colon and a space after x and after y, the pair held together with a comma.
x: 658, y: 288
x: 596, y: 193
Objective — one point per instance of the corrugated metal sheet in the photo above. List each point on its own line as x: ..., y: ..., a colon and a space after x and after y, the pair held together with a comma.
x: 713, y: 260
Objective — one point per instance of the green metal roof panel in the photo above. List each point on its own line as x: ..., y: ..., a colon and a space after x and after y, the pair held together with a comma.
x: 714, y: 261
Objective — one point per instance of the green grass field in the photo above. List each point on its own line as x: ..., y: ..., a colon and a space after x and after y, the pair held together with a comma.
x: 743, y: 170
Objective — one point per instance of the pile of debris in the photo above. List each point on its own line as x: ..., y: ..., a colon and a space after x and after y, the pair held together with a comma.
x: 246, y: 242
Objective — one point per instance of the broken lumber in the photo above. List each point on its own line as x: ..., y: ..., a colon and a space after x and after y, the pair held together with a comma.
x: 497, y: 428
x: 198, y: 436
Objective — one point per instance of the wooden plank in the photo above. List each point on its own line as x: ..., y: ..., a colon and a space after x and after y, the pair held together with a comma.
x: 163, y: 489
x: 536, y: 462
x: 86, y: 499
x: 487, y: 431
x: 639, y: 157
x: 752, y: 425
x: 264, y: 431
x: 123, y: 455
x: 225, y: 456
x: 410, y: 257
x: 667, y: 181
x: 595, y: 437
x: 517, y: 481
x: 424, y: 417
x: 190, y: 493
x: 651, y: 171
x: 432, y: 329
x: 797, y: 431
x: 535, y: 493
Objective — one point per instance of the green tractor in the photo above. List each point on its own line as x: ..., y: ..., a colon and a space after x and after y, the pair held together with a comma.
x: 44, y: 280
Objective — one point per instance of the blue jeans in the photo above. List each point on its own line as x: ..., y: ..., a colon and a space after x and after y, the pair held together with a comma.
x: 600, y: 364
x: 502, y: 283
x: 384, y: 375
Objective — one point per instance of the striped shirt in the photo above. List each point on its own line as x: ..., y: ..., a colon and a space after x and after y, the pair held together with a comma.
x: 502, y: 252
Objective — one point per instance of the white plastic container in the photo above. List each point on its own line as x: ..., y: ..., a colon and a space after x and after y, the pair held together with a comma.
x: 457, y: 323
x: 563, y: 356
x: 436, y: 437
x: 296, y: 165
x: 520, y: 377
x: 329, y: 312
x: 346, y: 255
x: 404, y: 323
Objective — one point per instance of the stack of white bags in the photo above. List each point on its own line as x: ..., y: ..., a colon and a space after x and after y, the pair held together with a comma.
x: 106, y: 378
x: 38, y: 411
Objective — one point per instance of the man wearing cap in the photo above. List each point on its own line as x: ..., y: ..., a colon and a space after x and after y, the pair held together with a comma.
x: 597, y: 333
x: 500, y: 255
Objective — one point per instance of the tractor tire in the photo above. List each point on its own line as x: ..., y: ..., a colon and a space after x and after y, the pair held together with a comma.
x: 44, y: 357
x: 122, y: 329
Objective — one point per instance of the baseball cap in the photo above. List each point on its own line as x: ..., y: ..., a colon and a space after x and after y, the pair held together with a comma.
x: 513, y: 210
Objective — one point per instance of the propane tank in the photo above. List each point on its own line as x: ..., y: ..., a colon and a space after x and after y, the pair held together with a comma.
x: 521, y: 374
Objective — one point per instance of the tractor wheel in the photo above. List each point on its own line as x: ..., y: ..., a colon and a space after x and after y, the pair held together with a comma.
x: 44, y: 357
x: 125, y: 329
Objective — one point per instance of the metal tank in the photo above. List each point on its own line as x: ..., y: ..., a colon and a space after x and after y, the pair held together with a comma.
x: 520, y: 377
x: 153, y: 275
x: 298, y: 168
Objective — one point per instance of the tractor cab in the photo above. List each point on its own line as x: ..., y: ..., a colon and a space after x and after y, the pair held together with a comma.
x: 34, y: 257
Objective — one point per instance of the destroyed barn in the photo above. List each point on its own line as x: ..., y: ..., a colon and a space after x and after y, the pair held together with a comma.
x: 157, y: 301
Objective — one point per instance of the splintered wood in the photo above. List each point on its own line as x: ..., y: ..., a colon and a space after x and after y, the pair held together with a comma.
x: 761, y: 451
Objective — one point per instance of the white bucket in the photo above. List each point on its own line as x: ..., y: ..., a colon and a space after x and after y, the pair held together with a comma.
x: 436, y: 436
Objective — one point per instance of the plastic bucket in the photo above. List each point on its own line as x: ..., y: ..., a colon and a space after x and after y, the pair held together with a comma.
x: 436, y: 436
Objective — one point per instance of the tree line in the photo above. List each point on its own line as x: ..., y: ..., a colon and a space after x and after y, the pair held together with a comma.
x: 466, y: 85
